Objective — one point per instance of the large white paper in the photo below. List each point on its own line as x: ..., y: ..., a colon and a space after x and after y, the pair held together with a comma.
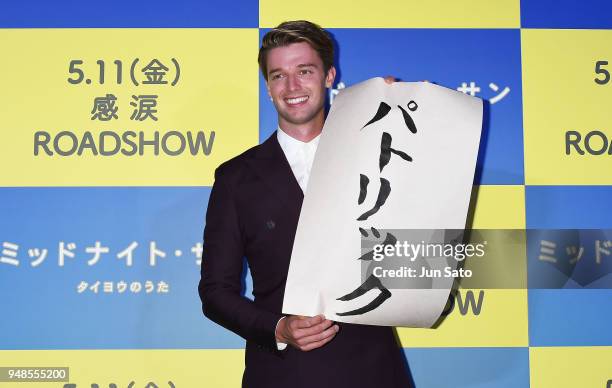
x: 429, y: 192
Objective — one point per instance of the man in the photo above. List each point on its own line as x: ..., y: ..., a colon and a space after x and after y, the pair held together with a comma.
x: 253, y: 212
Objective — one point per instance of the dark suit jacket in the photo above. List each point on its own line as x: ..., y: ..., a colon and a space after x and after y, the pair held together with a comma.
x: 253, y: 212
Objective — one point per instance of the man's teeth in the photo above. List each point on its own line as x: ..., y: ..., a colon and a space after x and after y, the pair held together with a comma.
x: 296, y: 100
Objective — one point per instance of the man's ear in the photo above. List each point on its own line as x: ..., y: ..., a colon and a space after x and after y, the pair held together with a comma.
x: 330, y: 77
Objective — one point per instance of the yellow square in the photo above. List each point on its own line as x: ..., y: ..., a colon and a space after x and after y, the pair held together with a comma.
x: 567, y: 115
x: 47, y: 120
x: 184, y: 368
x: 497, y: 207
x: 488, y: 317
x: 394, y: 13
x: 570, y: 367
x: 479, y: 318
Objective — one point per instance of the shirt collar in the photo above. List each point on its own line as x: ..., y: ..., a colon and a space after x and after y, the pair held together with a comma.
x: 289, y: 143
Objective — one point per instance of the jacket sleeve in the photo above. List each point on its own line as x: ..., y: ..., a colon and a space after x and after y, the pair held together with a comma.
x: 220, y: 286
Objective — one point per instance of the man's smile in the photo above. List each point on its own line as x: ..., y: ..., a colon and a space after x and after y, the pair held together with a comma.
x: 296, y: 100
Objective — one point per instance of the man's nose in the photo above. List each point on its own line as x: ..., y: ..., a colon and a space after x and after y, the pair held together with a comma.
x: 293, y: 83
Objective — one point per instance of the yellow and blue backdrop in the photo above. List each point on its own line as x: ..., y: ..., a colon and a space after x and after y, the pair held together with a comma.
x: 114, y: 115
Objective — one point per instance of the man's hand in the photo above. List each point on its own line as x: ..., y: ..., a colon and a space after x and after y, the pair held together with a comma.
x: 391, y: 79
x: 305, y: 333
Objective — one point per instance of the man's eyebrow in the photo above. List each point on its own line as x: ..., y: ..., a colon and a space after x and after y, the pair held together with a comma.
x: 273, y: 71
x: 301, y: 65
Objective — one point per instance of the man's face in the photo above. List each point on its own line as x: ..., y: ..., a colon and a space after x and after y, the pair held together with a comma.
x: 297, y: 82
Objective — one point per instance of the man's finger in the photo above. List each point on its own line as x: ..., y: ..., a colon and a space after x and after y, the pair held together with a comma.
x: 389, y: 79
x: 318, y: 344
x: 309, y: 322
x: 330, y: 332
x: 316, y: 329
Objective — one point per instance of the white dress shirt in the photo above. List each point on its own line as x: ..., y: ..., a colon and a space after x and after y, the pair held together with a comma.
x: 300, y: 156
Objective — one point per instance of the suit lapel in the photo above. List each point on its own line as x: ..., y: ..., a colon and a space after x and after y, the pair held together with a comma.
x: 271, y: 165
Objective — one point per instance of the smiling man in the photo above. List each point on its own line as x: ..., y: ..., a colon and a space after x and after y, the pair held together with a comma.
x: 253, y: 212
x: 297, y: 79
